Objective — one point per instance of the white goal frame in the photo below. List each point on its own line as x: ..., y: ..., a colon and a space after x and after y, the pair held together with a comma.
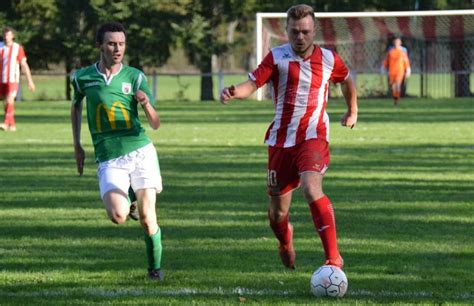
x: 260, y: 16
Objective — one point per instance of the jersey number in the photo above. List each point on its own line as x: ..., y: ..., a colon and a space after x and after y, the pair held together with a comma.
x: 272, y: 178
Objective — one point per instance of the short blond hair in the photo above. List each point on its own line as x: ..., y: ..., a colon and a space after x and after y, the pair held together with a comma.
x: 299, y: 11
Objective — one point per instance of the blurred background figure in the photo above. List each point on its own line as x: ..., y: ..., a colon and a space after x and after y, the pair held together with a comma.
x: 398, y: 66
x: 12, y: 55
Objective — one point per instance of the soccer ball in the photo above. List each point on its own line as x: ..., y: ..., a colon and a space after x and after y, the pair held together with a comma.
x: 329, y: 281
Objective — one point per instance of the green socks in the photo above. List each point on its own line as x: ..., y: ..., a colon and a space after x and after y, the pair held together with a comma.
x: 154, y: 249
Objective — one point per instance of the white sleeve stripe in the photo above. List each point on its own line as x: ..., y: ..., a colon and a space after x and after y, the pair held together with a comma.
x: 139, y: 81
x: 77, y: 83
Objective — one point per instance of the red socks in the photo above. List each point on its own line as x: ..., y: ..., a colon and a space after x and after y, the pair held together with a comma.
x: 281, y: 229
x: 9, y: 114
x: 323, y: 219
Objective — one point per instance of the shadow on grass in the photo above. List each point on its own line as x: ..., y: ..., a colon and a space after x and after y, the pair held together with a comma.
x: 217, y: 173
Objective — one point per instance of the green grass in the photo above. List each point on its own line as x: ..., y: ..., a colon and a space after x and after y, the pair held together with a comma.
x: 401, y: 183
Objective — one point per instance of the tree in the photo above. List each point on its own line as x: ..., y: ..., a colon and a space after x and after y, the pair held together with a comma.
x: 203, y: 34
x: 76, y: 24
x: 34, y: 31
x: 149, y: 31
x: 148, y: 26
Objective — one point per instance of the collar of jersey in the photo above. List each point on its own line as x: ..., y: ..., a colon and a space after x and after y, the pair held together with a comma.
x: 107, y: 82
x: 299, y: 58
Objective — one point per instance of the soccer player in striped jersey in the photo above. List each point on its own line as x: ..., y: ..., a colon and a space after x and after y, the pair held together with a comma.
x: 398, y: 66
x: 125, y: 155
x: 298, y: 152
x: 12, y: 56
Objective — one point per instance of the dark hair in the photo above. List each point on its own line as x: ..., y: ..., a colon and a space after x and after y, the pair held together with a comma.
x: 108, y: 27
x: 300, y: 11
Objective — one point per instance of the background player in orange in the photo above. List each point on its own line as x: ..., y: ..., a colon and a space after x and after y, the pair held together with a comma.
x: 398, y: 66
x: 12, y: 56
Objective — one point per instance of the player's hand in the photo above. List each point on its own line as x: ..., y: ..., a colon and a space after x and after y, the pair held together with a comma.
x: 349, y: 119
x: 141, y: 98
x: 227, y: 94
x: 31, y: 86
x: 80, y: 157
x: 408, y: 73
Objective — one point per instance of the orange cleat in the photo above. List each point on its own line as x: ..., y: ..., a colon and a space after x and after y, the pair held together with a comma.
x: 338, y: 262
x: 287, y: 252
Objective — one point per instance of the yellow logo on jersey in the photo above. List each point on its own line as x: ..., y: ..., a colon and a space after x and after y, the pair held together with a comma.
x: 111, y: 115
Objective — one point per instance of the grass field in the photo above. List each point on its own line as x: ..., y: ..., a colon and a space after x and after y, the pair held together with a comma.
x: 401, y: 183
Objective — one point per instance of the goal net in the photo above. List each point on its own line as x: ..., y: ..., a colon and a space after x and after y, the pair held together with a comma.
x: 440, y: 45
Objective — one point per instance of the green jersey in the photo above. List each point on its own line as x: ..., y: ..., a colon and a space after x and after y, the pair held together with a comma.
x: 112, y: 109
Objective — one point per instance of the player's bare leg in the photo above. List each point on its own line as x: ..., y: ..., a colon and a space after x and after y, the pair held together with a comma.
x: 396, y: 89
x: 323, y: 215
x: 117, y: 205
x: 278, y: 215
x: 147, y: 209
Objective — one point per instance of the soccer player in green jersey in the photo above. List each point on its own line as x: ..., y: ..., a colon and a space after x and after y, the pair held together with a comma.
x: 126, y: 157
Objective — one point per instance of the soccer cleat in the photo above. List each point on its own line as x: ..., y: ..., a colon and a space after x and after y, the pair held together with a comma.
x: 3, y: 127
x: 12, y: 128
x: 287, y: 252
x: 133, y: 214
x: 338, y: 262
x: 156, y: 275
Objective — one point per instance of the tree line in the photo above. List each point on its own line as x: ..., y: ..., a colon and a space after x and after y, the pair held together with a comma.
x: 62, y: 32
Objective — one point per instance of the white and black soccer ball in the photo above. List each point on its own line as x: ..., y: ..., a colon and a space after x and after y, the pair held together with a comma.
x: 329, y: 281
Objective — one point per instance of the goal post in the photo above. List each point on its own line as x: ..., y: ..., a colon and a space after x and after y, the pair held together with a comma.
x: 440, y: 46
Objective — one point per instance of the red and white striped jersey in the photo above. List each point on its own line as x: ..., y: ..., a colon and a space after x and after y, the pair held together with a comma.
x: 300, y: 91
x: 11, y: 58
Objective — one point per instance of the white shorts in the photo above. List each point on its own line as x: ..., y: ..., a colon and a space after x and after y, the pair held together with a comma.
x: 139, y: 169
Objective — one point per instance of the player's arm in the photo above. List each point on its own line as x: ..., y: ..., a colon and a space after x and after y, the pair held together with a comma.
x: 240, y: 91
x: 349, y: 92
x: 145, y: 99
x: 26, y: 70
x: 257, y: 79
x: 407, y: 65
x: 76, y: 121
x: 384, y: 66
x: 151, y: 113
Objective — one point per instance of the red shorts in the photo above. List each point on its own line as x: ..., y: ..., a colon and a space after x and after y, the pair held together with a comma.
x: 286, y: 164
x: 8, y: 89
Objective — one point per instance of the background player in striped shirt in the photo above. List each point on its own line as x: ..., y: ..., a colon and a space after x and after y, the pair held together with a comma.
x: 298, y: 152
x: 125, y: 155
x: 12, y: 56
x: 398, y: 66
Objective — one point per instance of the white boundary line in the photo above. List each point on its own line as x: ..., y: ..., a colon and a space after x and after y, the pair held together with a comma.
x: 219, y: 291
